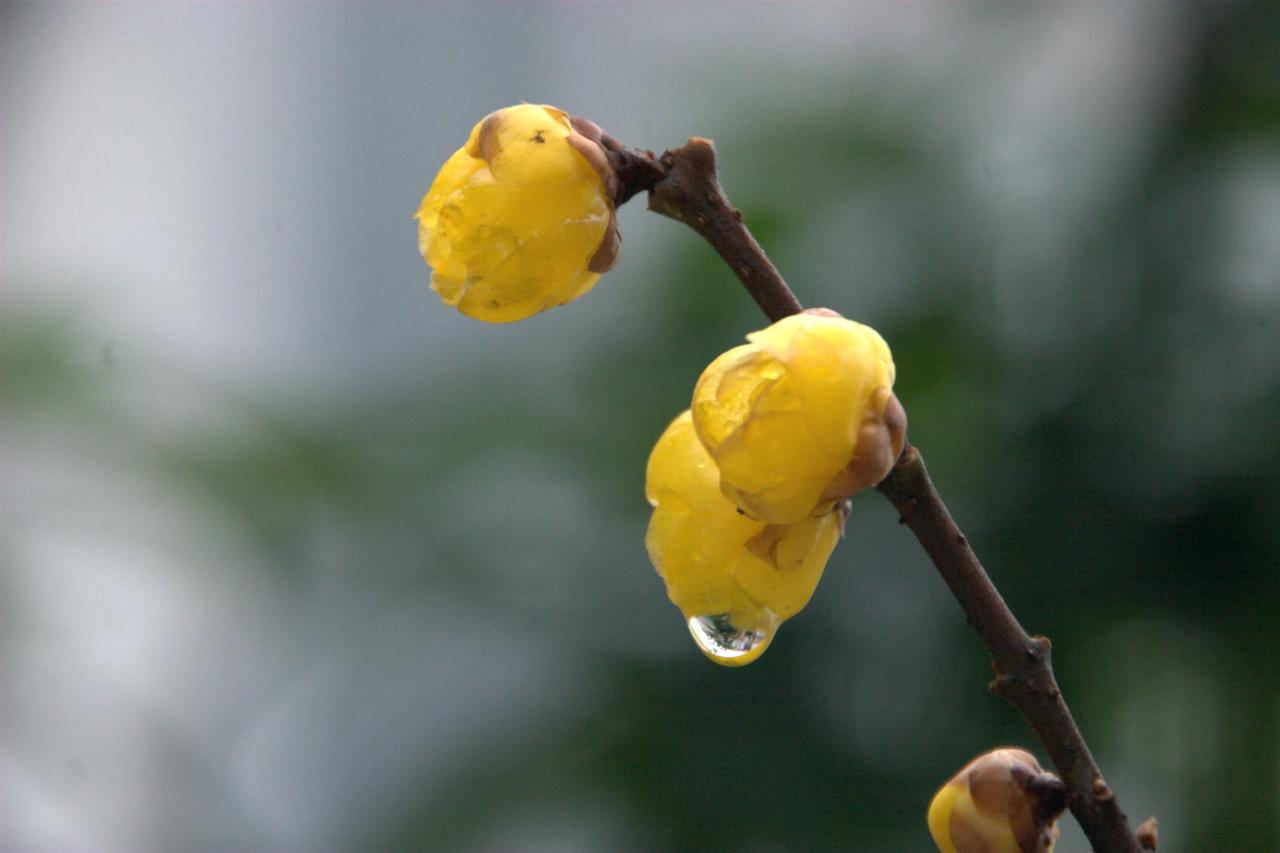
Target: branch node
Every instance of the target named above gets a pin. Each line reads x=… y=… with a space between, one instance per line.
x=1003 y=685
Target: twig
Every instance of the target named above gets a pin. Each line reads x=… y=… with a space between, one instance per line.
x=1024 y=673
x=689 y=191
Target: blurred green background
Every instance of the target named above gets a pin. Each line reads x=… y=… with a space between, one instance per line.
x=295 y=558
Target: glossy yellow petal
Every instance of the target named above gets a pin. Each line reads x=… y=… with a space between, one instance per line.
x=797 y=418
x=514 y=218
x=735 y=579
x=1001 y=802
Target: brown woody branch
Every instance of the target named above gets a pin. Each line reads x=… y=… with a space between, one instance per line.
x=683 y=185
x=1024 y=672
x=691 y=193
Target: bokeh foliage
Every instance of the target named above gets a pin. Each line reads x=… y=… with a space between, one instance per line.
x=418 y=614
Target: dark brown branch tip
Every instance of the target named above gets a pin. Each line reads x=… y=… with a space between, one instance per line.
x=691 y=193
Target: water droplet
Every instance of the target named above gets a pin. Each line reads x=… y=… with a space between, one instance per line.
x=734 y=644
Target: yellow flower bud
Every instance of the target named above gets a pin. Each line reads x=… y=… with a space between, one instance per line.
x=1001 y=802
x=735 y=579
x=801 y=417
x=520 y=218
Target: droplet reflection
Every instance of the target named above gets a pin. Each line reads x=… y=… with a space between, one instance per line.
x=730 y=644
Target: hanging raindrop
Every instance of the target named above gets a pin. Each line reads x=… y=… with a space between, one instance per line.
x=734 y=645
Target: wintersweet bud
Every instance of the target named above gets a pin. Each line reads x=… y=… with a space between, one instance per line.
x=800 y=417
x=1001 y=802
x=520 y=219
x=734 y=578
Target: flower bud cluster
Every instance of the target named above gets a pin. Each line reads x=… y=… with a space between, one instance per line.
x=745 y=485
